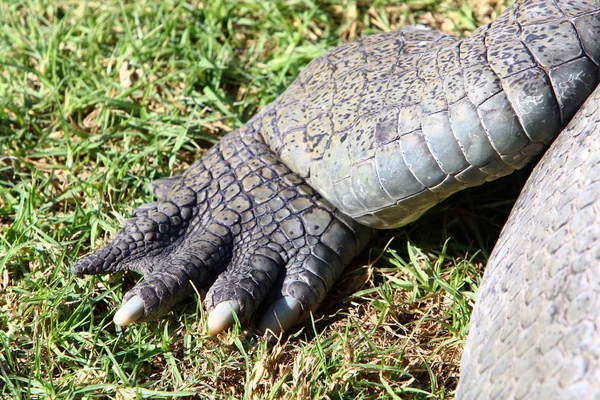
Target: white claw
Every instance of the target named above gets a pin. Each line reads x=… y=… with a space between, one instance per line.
x=221 y=317
x=130 y=311
x=281 y=316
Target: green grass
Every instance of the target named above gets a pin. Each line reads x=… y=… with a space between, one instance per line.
x=99 y=98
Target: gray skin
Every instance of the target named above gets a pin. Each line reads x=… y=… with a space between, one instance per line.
x=535 y=330
x=371 y=135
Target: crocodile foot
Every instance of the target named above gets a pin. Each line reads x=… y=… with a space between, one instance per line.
x=240 y=229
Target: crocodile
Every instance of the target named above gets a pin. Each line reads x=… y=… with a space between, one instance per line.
x=370 y=136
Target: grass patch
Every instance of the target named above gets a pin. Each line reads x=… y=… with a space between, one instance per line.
x=99 y=98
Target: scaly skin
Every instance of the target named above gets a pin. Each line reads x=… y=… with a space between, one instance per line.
x=238 y=226
x=390 y=125
x=535 y=331
x=376 y=131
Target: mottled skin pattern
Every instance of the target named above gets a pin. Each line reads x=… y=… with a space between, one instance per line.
x=383 y=128
x=535 y=332
x=390 y=125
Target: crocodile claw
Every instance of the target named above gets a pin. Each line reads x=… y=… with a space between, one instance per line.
x=222 y=316
x=281 y=316
x=130 y=312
